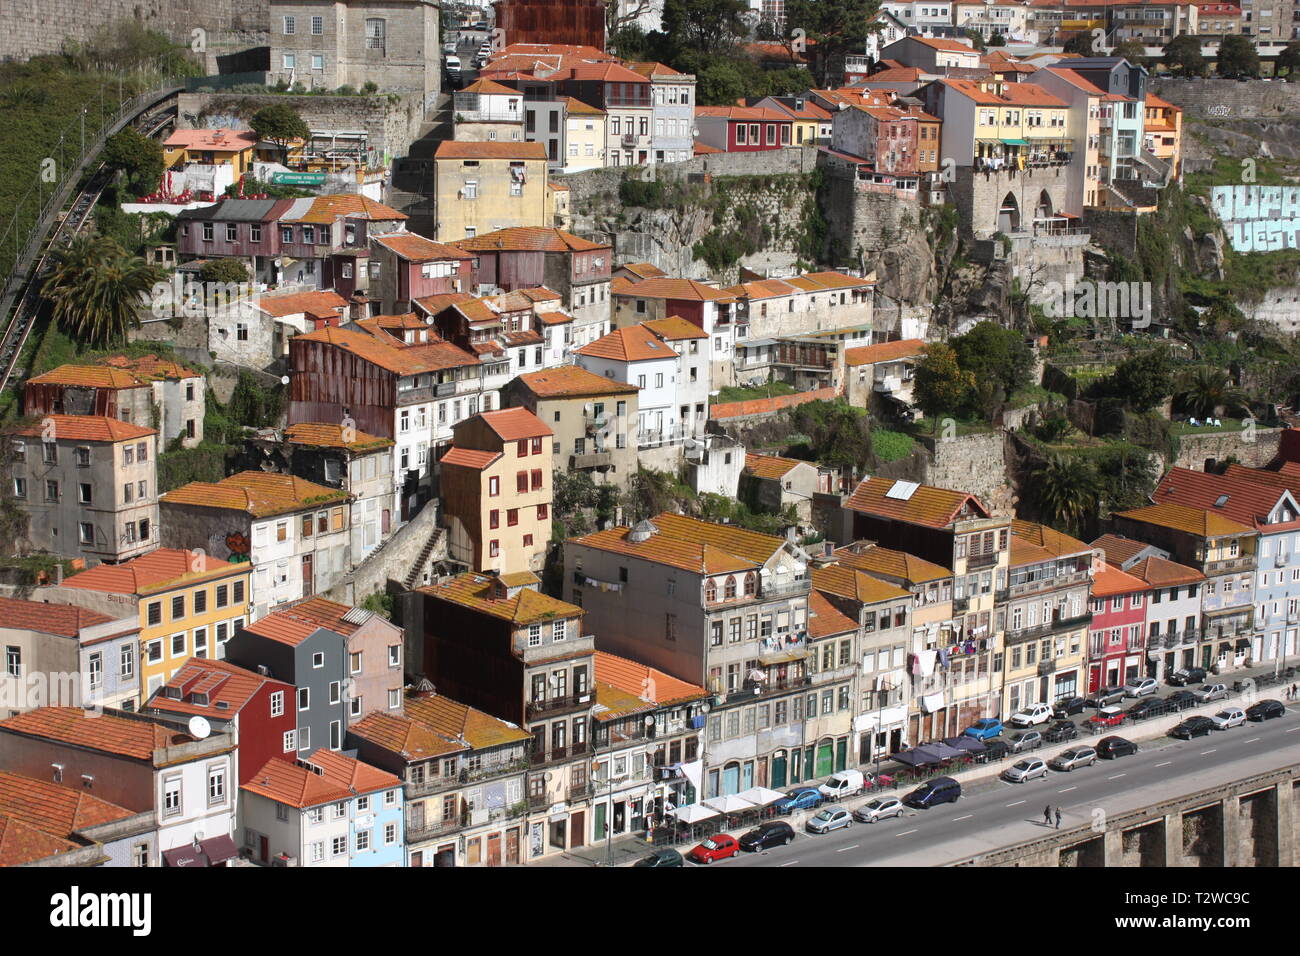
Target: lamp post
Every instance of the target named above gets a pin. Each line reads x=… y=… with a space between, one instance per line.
x=880 y=713
x=609 y=792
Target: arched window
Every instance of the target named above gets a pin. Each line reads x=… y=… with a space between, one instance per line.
x=751 y=584
x=730 y=590
x=710 y=591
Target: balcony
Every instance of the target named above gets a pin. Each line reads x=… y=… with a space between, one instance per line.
x=889 y=384
x=1046 y=667
x=1245 y=562
x=431 y=830
x=981 y=561
x=775 y=650
x=752 y=691
x=581 y=791
x=1052 y=627
x=628 y=139
x=599 y=459
x=551 y=705
x=960 y=605
x=1046 y=584
x=538 y=801
x=777 y=590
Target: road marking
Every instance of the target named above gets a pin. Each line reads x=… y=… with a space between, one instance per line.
x=904 y=833
x=791 y=863
x=1016 y=804
x=1252 y=740
x=1293 y=730
x=1206 y=753
x=966 y=817
x=845 y=849
x=1067 y=789
x=1165 y=764
x=1115 y=777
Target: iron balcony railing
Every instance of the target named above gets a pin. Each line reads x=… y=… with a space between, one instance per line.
x=551 y=705
x=1051 y=627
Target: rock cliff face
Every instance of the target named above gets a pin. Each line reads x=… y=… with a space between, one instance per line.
x=907 y=270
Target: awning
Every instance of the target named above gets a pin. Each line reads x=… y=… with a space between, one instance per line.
x=209 y=852
x=1016 y=142
x=917 y=757
x=969 y=744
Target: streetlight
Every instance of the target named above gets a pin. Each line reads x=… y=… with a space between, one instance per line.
x=610 y=781
x=880 y=713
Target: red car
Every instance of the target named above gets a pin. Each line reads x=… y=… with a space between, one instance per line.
x=717 y=847
x=1107 y=717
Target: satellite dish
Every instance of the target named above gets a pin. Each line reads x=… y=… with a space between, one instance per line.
x=199 y=727
x=284 y=379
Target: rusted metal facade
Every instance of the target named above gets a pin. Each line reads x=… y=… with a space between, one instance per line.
x=580 y=22
x=329 y=384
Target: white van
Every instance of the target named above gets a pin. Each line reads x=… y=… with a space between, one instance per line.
x=453 y=65
x=843 y=784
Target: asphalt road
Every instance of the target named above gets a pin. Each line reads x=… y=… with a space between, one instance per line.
x=993 y=813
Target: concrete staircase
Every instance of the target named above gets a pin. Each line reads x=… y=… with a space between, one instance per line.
x=411 y=191
x=417 y=567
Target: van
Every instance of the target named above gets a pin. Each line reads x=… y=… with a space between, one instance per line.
x=934 y=792
x=843 y=784
x=453 y=65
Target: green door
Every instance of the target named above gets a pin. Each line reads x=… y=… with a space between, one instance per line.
x=778 y=770
x=598 y=831
x=841 y=753
x=825 y=759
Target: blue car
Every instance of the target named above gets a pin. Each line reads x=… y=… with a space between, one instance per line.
x=984 y=728
x=801 y=798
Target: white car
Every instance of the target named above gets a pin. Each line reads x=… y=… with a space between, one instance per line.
x=1024 y=770
x=1231 y=717
x=879 y=809
x=1031 y=715
x=1140 y=688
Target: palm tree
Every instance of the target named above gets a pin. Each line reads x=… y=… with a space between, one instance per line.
x=1065 y=489
x=97 y=289
x=1206 y=391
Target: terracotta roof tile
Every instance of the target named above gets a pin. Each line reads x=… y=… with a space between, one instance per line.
x=104 y=732
x=644 y=270
x=223 y=682
x=659 y=689
x=675 y=329
x=216 y=140
x=488 y=86
x=88 y=376
x=293 y=624
x=258 y=493
x=1048 y=541
x=771 y=466
x=1194 y=521
x=341 y=778
x=512 y=424
x=1119 y=548
x=483 y=593
x=1110 y=581
x=691 y=544
x=321 y=304
x=687 y=290
x=325 y=209
x=469 y=458
x=21 y=843
x=855 y=585
x=825 y=618
x=465 y=149
x=748 y=113
x=404 y=736
x=634 y=343
x=890 y=563
x=884 y=352
x=1235 y=496
x=85 y=428
x=326 y=435
x=458 y=721
x=1162 y=573
x=572 y=381
x=415 y=248
x=400 y=361
x=759 y=406
x=927 y=505
x=529 y=238
x=579 y=108
x=66 y=620
x=158 y=570
x=53 y=808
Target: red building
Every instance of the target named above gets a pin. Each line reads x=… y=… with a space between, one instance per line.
x=743 y=129
x=258 y=710
x=1116 y=638
x=411 y=267
x=580 y=22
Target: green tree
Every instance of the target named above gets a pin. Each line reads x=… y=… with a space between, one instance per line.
x=838 y=434
x=941 y=386
x=1237 y=57
x=223 y=270
x=139 y=156
x=997 y=354
x=977 y=40
x=280 y=124
x=1205 y=391
x=997 y=39
x=1141 y=382
x=650 y=492
x=832 y=29
x=1127 y=476
x=629 y=41
x=1289 y=58
x=1132 y=50
x=719 y=84
x=1064 y=490
x=97 y=290
x=705 y=26
x=1182 y=56
x=1079 y=44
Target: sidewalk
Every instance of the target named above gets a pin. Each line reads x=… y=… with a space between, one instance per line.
x=624 y=851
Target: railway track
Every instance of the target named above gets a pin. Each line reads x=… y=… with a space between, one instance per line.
x=22 y=318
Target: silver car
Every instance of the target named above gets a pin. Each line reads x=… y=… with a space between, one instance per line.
x=832 y=818
x=877 y=810
x=1142 y=687
x=1025 y=770
x=1074 y=757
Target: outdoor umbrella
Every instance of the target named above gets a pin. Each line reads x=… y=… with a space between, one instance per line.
x=731 y=803
x=916 y=757
x=942 y=750
x=966 y=743
x=761 y=796
x=694 y=813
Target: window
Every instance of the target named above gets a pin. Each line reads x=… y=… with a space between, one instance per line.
x=375 y=31
x=494 y=486
x=470 y=189
x=354 y=662
x=178 y=645
x=52 y=491
x=172 y=797
x=290 y=26
x=277 y=703
x=394 y=655
x=216 y=786
x=14 y=661
x=304 y=698
x=178 y=607
x=536 y=479
x=126 y=662
x=87 y=532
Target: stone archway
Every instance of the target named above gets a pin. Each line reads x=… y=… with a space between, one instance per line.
x=1009 y=215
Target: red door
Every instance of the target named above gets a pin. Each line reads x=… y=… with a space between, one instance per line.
x=308 y=576
x=266 y=850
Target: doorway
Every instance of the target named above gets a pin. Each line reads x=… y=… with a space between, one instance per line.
x=512 y=845
x=578 y=831
x=308 y=577
x=494 y=850
x=778 y=770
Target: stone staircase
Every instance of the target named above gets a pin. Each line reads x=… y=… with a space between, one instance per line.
x=417 y=567
x=411 y=191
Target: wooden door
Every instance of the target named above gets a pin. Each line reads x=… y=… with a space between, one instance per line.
x=308 y=577
x=578 y=828
x=512 y=845
x=494 y=850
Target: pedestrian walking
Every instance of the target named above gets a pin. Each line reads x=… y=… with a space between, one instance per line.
x=1058 y=818
x=1047 y=815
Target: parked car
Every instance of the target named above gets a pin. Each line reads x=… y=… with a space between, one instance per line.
x=1068 y=760
x=1229 y=717
x=1109 y=748
x=996 y=749
x=1186 y=676
x=665 y=857
x=934 y=792
x=772 y=833
x=984 y=728
x=1061 y=731
x=800 y=798
x=1031 y=715
x=1068 y=707
x=1106 y=696
x=879 y=809
x=1024 y=770
x=717 y=847
x=1181 y=700
x=845 y=783
x=1107 y=717
x=1141 y=687
x=1147 y=707
x=1266 y=710
x=831 y=818
x=1208 y=692
x=1193 y=727
x=1023 y=743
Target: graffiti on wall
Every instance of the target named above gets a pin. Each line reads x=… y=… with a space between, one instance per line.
x=1259 y=218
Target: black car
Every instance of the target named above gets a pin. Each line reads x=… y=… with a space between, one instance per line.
x=1193 y=727
x=1069 y=707
x=774 y=833
x=1061 y=731
x=665 y=857
x=996 y=749
x=1147 y=707
x=1186 y=676
x=1266 y=710
x=1180 y=700
x=1108 y=748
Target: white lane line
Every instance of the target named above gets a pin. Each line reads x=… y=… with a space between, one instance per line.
x=1016 y=804
x=1067 y=789
x=1206 y=753
x=791 y=863
x=1252 y=740
x=845 y=849
x=1165 y=764
x=1293 y=730
x=1115 y=776
x=966 y=817
x=904 y=833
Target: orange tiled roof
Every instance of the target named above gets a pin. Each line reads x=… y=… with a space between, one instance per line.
x=644 y=270
x=158 y=570
x=653 y=69
x=104 y=732
x=927 y=505
x=747 y=113
x=572 y=381
x=85 y=428
x=53 y=808
x=512 y=424
x=1162 y=573
x=325 y=209
x=660 y=689
x=1037 y=542
x=433 y=304
x=458 y=721
x=684 y=289
x=1249 y=502
x=116 y=371
x=403 y=735
x=66 y=620
x=258 y=493
x=223 y=682
x=469 y=458
x=465 y=149
x=483 y=593
x=884 y=352
x=400 y=361
x=293 y=624
x=891 y=563
x=825 y=619
x=488 y=86
x=216 y=140
x=759 y=406
x=936 y=43
x=416 y=248
x=674 y=329
x=326 y=435
x=579 y=108
x=855 y=585
x=691 y=544
x=342 y=778
x=1178 y=517
x=634 y=343
x=554 y=317
x=1119 y=548
x=771 y=466
x=21 y=843
x=528 y=239
x=322 y=304
x=1110 y=581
